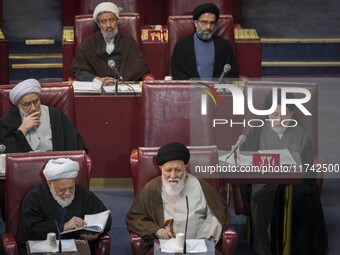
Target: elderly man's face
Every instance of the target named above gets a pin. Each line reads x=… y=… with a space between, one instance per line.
x=173 y=171
x=63 y=190
x=205 y=26
x=108 y=24
x=29 y=104
x=278 y=118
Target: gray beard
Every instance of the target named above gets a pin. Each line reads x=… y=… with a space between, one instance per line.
x=173 y=189
x=202 y=36
x=108 y=35
x=279 y=130
x=62 y=202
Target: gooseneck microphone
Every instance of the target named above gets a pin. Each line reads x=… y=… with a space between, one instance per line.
x=186 y=227
x=59 y=249
x=226 y=70
x=112 y=64
x=242 y=138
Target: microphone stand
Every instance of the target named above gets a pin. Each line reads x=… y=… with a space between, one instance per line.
x=186 y=228
x=59 y=245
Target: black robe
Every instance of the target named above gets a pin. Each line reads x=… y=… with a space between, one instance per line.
x=183 y=59
x=39 y=212
x=308 y=232
x=65 y=136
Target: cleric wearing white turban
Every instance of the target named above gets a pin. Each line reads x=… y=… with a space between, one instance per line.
x=32 y=126
x=61 y=168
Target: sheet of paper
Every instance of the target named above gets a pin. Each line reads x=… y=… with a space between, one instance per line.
x=193 y=245
x=42 y=246
x=2 y=163
x=286 y=157
x=83 y=86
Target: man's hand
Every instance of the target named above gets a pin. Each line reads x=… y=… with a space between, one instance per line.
x=163 y=233
x=89 y=237
x=29 y=121
x=75 y=222
x=106 y=80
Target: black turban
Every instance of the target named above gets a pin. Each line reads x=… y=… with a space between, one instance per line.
x=206 y=8
x=173 y=151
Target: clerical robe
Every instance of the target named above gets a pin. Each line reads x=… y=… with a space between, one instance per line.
x=183 y=59
x=147 y=213
x=91 y=57
x=40 y=210
x=65 y=136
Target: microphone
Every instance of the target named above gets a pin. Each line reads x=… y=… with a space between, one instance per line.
x=241 y=139
x=226 y=70
x=186 y=227
x=112 y=64
x=59 y=249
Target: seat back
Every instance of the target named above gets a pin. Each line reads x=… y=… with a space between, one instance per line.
x=145 y=168
x=24 y=171
x=58 y=95
x=181 y=26
x=310 y=123
x=128 y=23
x=171 y=112
x=180 y=7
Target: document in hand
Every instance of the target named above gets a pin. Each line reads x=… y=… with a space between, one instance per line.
x=94 y=222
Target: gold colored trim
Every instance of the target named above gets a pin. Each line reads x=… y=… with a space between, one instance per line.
x=68 y=34
x=1 y=34
x=39 y=41
x=40 y=65
x=293 y=63
x=246 y=34
x=296 y=40
x=111 y=183
x=35 y=55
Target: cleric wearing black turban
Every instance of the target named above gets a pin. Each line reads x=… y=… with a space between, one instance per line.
x=204 y=54
x=159 y=209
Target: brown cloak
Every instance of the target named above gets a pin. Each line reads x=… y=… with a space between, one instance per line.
x=146 y=214
x=90 y=57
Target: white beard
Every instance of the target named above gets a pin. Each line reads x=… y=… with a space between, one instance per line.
x=108 y=35
x=173 y=189
x=62 y=202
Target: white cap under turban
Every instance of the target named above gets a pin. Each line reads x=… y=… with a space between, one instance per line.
x=61 y=168
x=106 y=7
x=24 y=88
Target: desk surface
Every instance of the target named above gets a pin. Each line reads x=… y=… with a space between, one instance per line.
x=83 y=248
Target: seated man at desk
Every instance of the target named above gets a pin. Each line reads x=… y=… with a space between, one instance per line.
x=309 y=235
x=31 y=126
x=163 y=199
x=203 y=54
x=92 y=56
x=61 y=200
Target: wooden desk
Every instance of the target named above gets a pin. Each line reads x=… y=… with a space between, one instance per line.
x=83 y=248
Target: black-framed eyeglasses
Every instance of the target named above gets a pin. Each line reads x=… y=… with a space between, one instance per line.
x=206 y=23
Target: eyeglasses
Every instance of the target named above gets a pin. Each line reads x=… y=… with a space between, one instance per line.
x=29 y=104
x=206 y=23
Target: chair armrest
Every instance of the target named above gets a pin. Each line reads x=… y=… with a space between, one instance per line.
x=229 y=241
x=89 y=165
x=103 y=245
x=148 y=77
x=10 y=245
x=136 y=243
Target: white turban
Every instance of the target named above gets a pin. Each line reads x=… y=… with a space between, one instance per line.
x=61 y=168
x=106 y=7
x=24 y=88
